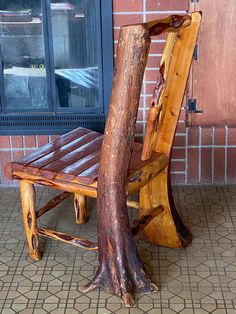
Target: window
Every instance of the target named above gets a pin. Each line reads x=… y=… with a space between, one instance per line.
x=56 y=67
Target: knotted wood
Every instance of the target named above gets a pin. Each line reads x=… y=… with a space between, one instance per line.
x=120 y=270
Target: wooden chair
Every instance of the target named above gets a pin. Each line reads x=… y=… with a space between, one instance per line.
x=71 y=163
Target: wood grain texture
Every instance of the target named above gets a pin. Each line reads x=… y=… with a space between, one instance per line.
x=176 y=83
x=80 y=205
x=158 y=98
x=178 y=55
x=120 y=270
x=29 y=217
x=156 y=194
x=213 y=76
x=55 y=235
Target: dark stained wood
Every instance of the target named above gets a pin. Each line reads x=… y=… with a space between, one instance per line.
x=213 y=74
x=62 y=154
x=90 y=175
x=120 y=270
x=171 y=23
x=51 y=147
x=55 y=235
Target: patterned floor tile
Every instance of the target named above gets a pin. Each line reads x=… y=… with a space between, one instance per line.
x=200 y=279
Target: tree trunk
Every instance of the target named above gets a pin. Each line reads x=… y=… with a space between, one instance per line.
x=120 y=271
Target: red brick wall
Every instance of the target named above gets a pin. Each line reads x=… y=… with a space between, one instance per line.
x=200 y=155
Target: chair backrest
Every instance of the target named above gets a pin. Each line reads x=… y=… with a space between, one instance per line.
x=172 y=79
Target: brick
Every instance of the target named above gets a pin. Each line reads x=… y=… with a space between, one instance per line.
x=178 y=153
x=17 y=141
x=177 y=166
x=207 y=137
x=182 y=114
x=5 y=157
x=4 y=142
x=140 y=115
x=171 y=5
x=151 y=75
x=116 y=34
x=193 y=166
x=232 y=136
x=219 y=166
x=28 y=151
x=42 y=140
x=17 y=154
x=219 y=136
x=157 y=48
x=127 y=6
x=153 y=62
x=231 y=162
x=193 y=136
x=177 y=178
x=181 y=127
x=179 y=141
x=30 y=141
x=139 y=128
x=124 y=19
x=150 y=87
x=206 y=165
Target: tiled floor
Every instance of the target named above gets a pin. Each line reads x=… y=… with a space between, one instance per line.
x=200 y=279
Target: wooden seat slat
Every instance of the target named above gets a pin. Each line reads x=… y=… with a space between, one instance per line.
x=74 y=156
x=62 y=152
x=77 y=160
x=74 y=170
x=52 y=146
x=89 y=175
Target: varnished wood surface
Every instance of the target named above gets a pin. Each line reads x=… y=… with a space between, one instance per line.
x=120 y=270
x=71 y=163
x=177 y=76
x=77 y=161
x=55 y=235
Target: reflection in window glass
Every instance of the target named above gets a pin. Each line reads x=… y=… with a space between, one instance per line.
x=74 y=26
x=23 y=55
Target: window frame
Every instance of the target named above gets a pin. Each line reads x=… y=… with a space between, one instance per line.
x=51 y=121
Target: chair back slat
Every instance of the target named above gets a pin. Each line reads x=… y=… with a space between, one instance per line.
x=174 y=70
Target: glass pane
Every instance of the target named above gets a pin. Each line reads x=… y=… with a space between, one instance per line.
x=75 y=46
x=23 y=55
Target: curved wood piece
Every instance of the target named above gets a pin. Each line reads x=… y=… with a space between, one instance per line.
x=80 y=205
x=157 y=194
x=171 y=23
x=157 y=191
x=120 y=270
x=29 y=217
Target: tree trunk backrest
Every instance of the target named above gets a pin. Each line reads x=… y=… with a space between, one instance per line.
x=173 y=74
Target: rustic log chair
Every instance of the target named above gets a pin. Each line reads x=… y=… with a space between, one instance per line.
x=71 y=163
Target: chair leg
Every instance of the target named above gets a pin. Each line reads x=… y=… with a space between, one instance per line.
x=166 y=228
x=80 y=204
x=29 y=217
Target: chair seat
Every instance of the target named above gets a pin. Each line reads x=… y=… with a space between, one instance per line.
x=74 y=157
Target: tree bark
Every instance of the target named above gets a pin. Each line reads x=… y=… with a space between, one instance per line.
x=120 y=270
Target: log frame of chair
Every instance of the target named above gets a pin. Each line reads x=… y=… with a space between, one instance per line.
x=124 y=167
